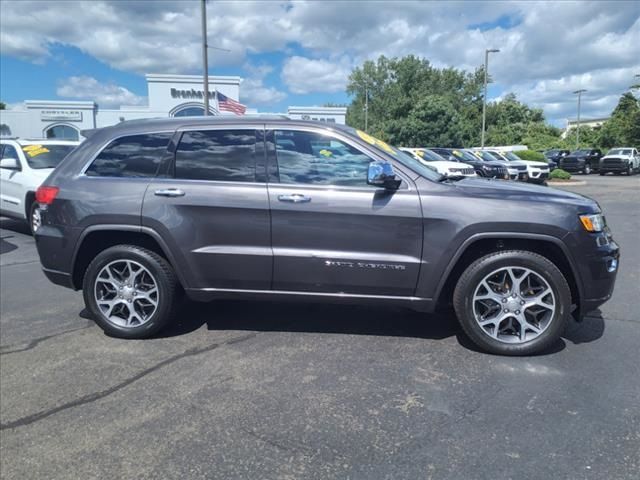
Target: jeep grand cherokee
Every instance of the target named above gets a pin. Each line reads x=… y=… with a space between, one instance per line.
x=252 y=207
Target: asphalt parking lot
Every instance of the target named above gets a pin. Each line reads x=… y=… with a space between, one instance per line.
x=265 y=390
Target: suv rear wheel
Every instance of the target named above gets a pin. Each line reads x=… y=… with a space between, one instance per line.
x=130 y=291
x=587 y=169
x=512 y=302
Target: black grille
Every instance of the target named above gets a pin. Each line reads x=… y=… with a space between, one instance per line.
x=612 y=162
x=522 y=168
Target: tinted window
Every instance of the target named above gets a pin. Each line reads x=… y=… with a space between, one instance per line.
x=313 y=158
x=10 y=152
x=132 y=156
x=222 y=155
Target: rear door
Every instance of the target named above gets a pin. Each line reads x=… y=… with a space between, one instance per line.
x=211 y=207
x=331 y=232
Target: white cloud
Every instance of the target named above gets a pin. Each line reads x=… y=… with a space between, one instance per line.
x=544 y=45
x=305 y=75
x=253 y=91
x=104 y=94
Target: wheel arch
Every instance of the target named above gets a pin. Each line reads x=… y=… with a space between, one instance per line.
x=480 y=245
x=97 y=238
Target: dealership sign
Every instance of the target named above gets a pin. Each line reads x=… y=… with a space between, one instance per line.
x=68 y=115
x=175 y=93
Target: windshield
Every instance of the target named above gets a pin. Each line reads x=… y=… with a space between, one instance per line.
x=511 y=156
x=406 y=159
x=429 y=155
x=464 y=156
x=581 y=152
x=45 y=155
x=619 y=151
x=486 y=156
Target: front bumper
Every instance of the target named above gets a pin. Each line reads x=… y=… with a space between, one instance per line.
x=538 y=176
x=614 y=167
x=597 y=259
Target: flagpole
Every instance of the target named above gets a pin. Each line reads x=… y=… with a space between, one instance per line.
x=205 y=60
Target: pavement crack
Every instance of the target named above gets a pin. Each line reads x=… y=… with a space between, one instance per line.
x=92 y=397
x=9 y=349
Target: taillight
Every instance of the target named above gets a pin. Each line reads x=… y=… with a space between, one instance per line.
x=46 y=195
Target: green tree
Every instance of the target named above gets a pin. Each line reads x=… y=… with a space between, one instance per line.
x=623 y=128
x=3 y=106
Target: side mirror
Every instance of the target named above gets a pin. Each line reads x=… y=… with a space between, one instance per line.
x=10 y=164
x=380 y=174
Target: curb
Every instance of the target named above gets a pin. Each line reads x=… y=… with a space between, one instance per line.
x=577 y=183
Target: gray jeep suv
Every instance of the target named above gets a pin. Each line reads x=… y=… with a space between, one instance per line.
x=268 y=207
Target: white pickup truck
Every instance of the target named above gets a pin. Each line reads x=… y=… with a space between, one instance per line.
x=444 y=167
x=620 y=160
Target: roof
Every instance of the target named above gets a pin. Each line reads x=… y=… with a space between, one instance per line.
x=173 y=123
x=41 y=141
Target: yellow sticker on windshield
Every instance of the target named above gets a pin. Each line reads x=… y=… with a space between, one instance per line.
x=374 y=141
x=420 y=153
x=35 y=150
x=326 y=153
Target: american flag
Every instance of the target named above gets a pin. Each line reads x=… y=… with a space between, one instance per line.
x=229 y=105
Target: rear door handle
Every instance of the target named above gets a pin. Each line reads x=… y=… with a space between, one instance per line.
x=294 y=198
x=169 y=192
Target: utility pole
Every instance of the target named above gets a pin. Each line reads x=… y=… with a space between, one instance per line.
x=205 y=58
x=579 y=93
x=484 y=98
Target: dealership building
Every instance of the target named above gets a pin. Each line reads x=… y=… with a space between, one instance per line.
x=168 y=96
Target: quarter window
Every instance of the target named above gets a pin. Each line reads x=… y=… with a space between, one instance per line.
x=313 y=158
x=217 y=155
x=132 y=156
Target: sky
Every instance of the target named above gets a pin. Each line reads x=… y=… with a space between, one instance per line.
x=301 y=52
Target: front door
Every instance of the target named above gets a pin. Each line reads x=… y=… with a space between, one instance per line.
x=331 y=232
x=11 y=181
x=212 y=209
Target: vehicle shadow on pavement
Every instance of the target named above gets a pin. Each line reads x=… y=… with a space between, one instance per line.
x=265 y=316
x=5 y=246
x=18 y=226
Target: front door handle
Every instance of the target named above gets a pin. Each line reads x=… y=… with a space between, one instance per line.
x=169 y=192
x=294 y=198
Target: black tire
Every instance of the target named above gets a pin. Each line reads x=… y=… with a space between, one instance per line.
x=31 y=211
x=163 y=275
x=602 y=173
x=478 y=270
x=587 y=169
x=629 y=169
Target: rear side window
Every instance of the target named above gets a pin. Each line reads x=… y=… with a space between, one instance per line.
x=132 y=156
x=217 y=155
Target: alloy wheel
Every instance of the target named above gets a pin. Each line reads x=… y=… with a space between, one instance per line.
x=514 y=305
x=126 y=293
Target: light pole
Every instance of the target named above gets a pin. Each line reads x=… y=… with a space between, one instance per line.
x=579 y=93
x=366 y=108
x=205 y=58
x=484 y=99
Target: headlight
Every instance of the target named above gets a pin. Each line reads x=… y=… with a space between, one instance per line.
x=593 y=223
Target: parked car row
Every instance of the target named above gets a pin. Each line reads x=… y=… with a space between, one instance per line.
x=490 y=163
x=591 y=160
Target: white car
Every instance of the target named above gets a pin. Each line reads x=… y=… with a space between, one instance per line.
x=620 y=160
x=537 y=172
x=444 y=167
x=24 y=165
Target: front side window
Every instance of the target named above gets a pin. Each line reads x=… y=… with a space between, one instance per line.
x=317 y=159
x=132 y=156
x=9 y=152
x=217 y=155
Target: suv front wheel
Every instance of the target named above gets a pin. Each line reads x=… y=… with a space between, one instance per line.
x=130 y=291
x=512 y=302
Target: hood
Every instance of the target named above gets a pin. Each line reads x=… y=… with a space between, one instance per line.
x=449 y=165
x=482 y=187
x=617 y=157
